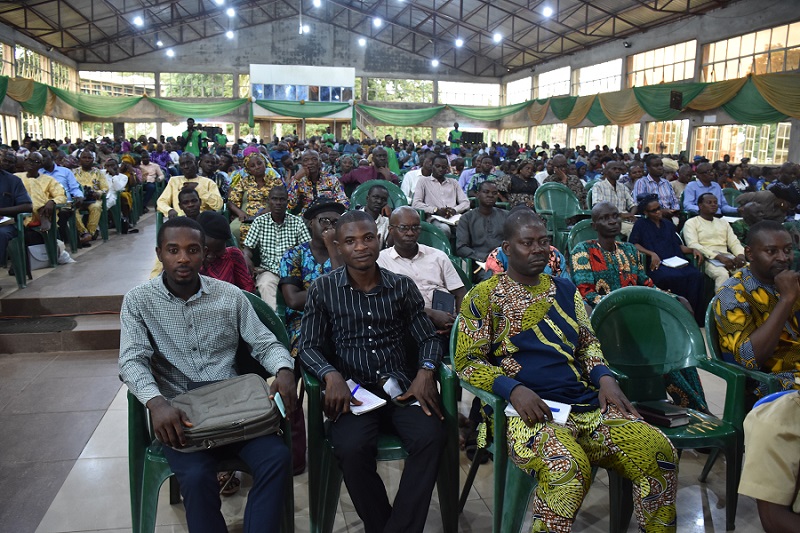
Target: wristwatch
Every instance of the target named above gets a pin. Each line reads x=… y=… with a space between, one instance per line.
x=427 y=365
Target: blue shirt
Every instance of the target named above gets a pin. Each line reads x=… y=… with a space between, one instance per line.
x=696 y=188
x=12 y=191
x=67 y=180
x=351 y=148
x=276 y=157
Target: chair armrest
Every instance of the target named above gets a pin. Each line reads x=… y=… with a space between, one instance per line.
x=734 y=410
x=20 y=221
x=314 y=394
x=619 y=376
x=773 y=383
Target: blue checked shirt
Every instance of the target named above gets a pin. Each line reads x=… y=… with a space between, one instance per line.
x=167 y=343
x=665 y=192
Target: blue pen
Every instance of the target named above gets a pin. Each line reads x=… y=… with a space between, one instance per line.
x=353 y=394
x=555 y=410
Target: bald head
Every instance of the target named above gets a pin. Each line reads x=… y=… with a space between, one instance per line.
x=404 y=213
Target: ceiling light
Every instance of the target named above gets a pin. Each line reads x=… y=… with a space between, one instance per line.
x=362 y=42
x=231 y=12
x=459 y=42
x=170 y=52
x=377 y=22
x=159 y=43
x=435 y=63
x=305 y=28
x=547 y=11
x=497 y=37
x=317 y=3
x=138 y=21
x=219 y=2
x=229 y=34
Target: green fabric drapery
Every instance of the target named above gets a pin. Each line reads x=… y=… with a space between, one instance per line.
x=302 y=110
x=562 y=106
x=749 y=107
x=582 y=106
x=654 y=99
x=538 y=110
x=489 y=112
x=596 y=115
x=95 y=105
x=781 y=91
x=401 y=117
x=37 y=103
x=716 y=94
x=193 y=109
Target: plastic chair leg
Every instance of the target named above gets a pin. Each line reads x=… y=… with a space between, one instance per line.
x=103 y=226
x=712 y=458
x=19 y=261
x=519 y=488
x=733 y=457
x=480 y=453
x=174 y=491
x=325 y=476
x=154 y=476
x=621 y=502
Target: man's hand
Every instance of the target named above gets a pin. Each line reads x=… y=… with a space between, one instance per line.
x=47 y=210
x=530 y=406
x=285 y=384
x=300 y=173
x=168 y=422
x=739 y=261
x=423 y=388
x=627 y=216
x=337 y=396
x=699 y=256
x=328 y=236
x=610 y=393
x=172 y=214
x=655 y=261
x=562 y=176
x=788 y=285
x=725 y=260
x=441 y=319
x=385 y=172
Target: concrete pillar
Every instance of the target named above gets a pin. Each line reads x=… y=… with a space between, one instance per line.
x=794 y=140
x=435 y=91
x=235 y=131
x=364 y=95
x=119 y=130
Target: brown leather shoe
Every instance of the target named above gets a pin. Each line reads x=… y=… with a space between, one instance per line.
x=86 y=238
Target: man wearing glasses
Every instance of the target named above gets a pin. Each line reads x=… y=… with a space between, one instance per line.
x=705 y=183
x=273 y=234
x=429 y=268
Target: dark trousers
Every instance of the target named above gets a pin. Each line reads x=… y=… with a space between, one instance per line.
x=149 y=191
x=355 y=440
x=6 y=234
x=268 y=459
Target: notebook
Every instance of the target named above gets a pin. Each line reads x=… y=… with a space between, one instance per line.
x=560 y=411
x=675 y=262
x=369 y=402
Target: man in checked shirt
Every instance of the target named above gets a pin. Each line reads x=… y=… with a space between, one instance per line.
x=179 y=329
x=366 y=314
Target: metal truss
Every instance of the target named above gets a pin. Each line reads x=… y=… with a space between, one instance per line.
x=102 y=31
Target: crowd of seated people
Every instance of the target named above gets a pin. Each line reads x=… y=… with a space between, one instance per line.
x=270 y=213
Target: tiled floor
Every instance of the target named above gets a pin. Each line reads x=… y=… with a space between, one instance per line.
x=64 y=440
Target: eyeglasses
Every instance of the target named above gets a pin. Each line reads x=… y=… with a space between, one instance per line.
x=405 y=229
x=654 y=210
x=327 y=222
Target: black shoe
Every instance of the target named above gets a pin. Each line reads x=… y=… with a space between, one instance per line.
x=145 y=210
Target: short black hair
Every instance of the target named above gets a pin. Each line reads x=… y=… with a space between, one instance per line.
x=187 y=190
x=518 y=219
x=765 y=226
x=377 y=186
x=700 y=198
x=353 y=216
x=486 y=182
x=180 y=222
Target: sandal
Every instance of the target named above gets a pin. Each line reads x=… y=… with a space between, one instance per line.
x=228 y=483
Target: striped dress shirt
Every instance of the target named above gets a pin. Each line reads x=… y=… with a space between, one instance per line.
x=362 y=335
x=666 y=195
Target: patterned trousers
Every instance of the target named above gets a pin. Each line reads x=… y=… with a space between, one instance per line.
x=562 y=457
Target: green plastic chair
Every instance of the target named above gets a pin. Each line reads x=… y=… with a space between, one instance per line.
x=645 y=334
x=396 y=196
x=582 y=231
x=557 y=204
x=148 y=468
x=325 y=478
x=435 y=238
x=731 y=195
x=509 y=512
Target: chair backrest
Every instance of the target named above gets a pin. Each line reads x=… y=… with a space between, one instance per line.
x=582 y=231
x=712 y=334
x=465 y=278
x=646 y=333
x=434 y=237
x=396 y=196
x=245 y=364
x=730 y=195
x=556 y=198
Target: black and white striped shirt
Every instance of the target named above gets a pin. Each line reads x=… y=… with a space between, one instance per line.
x=362 y=335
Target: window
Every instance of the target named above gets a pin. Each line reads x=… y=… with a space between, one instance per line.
x=357 y=90
x=63 y=128
x=629 y=138
x=518 y=91
x=32 y=126
x=764 y=144
x=552 y=134
x=137 y=129
x=178 y=85
x=31 y=65
x=9 y=129
x=516 y=134
x=662 y=65
x=6 y=60
x=246 y=132
x=772 y=50
x=244 y=85
x=117 y=83
x=389 y=90
x=554 y=83
x=407 y=133
x=668 y=137
x=602 y=78
x=458 y=93
x=297 y=93
x=95 y=130
x=64 y=77
x=782 y=143
x=595 y=136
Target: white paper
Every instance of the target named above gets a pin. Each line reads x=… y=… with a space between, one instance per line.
x=453 y=220
x=369 y=402
x=731 y=220
x=560 y=411
x=392 y=388
x=675 y=262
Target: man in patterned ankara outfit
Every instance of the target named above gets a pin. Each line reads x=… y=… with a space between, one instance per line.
x=525 y=336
